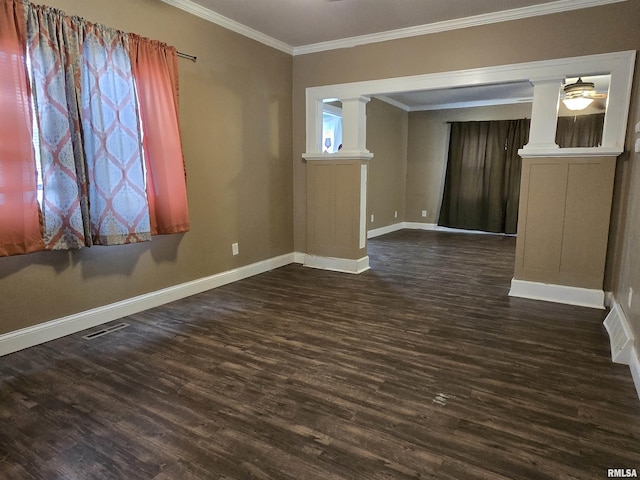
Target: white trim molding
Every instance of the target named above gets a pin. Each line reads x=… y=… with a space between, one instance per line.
x=549 y=8
x=583 y=297
x=44 y=332
x=438 y=228
x=213 y=17
x=620 y=65
x=376 y=232
x=624 y=348
x=635 y=369
x=455 y=24
x=344 y=265
x=620 y=335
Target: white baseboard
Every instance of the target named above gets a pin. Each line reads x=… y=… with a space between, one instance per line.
x=582 y=297
x=635 y=369
x=608 y=299
x=298 y=257
x=624 y=348
x=44 y=332
x=344 y=265
x=419 y=226
x=376 y=232
x=620 y=335
x=438 y=228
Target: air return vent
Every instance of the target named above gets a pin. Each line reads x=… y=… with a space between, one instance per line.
x=620 y=335
x=104 y=331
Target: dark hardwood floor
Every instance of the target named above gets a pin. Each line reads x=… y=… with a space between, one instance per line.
x=421 y=368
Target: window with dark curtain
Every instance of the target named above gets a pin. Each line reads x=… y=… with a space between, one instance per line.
x=580 y=131
x=482 y=183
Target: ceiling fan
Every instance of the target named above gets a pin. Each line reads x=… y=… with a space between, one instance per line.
x=581 y=94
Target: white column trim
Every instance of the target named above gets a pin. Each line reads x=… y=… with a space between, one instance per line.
x=619 y=64
x=544 y=115
x=354 y=125
x=363 y=205
x=343 y=265
x=583 y=297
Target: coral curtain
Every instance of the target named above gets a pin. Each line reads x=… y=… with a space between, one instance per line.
x=54 y=51
x=482 y=181
x=112 y=140
x=156 y=72
x=20 y=230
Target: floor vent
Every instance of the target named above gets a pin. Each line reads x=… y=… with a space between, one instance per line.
x=620 y=335
x=104 y=331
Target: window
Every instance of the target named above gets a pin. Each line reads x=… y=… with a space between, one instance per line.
x=75 y=173
x=331 y=128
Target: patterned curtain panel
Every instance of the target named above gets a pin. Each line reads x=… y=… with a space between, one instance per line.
x=156 y=73
x=54 y=50
x=112 y=139
x=19 y=217
x=81 y=122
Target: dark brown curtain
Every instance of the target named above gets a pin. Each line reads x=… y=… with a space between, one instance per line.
x=580 y=131
x=482 y=183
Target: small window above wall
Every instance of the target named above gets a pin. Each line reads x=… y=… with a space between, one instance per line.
x=582 y=111
x=331 y=127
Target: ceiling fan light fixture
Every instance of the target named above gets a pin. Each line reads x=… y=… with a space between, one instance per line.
x=579 y=95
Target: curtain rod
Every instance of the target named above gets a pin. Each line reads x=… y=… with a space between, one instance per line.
x=188 y=57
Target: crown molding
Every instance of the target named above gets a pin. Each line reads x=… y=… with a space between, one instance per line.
x=558 y=6
x=213 y=17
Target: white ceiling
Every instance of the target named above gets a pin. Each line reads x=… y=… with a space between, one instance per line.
x=478 y=96
x=304 y=22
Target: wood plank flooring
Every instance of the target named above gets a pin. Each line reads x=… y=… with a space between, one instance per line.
x=421 y=368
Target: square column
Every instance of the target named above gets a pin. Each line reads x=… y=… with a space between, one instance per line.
x=544 y=115
x=354 y=125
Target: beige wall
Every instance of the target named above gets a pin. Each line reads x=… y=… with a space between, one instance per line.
x=387 y=136
x=333 y=208
x=428 y=150
x=623 y=259
x=236 y=125
x=563 y=222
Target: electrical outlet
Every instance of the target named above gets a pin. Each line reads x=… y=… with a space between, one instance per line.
x=234 y=249
x=372 y=217
x=424 y=213
x=630 y=297
x=395 y=214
